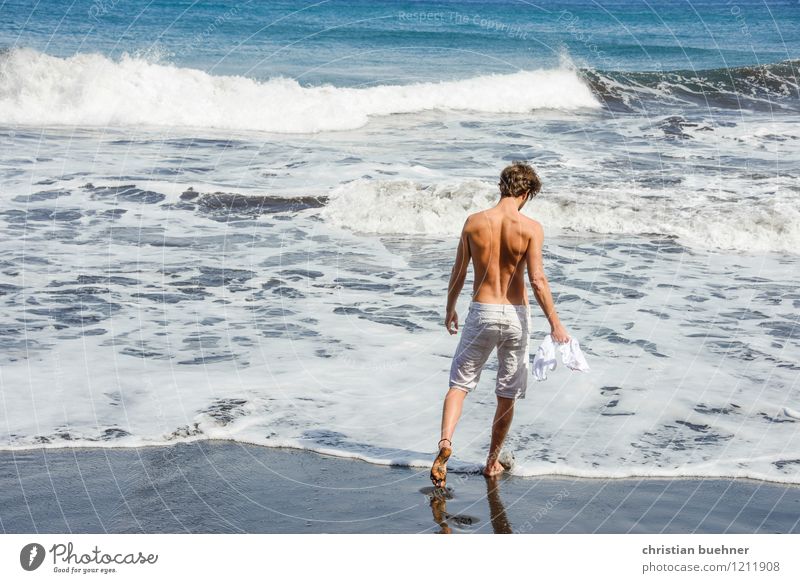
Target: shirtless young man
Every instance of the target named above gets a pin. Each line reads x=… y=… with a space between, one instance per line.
x=501 y=242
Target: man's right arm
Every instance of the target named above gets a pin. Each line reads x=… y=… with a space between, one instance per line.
x=540 y=285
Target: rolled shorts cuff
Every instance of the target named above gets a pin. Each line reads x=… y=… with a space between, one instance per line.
x=510 y=394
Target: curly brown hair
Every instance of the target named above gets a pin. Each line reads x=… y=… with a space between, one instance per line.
x=519 y=178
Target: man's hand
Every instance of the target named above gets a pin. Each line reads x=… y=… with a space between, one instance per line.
x=559 y=333
x=451 y=322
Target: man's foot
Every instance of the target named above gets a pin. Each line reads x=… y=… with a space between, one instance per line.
x=493 y=468
x=439 y=468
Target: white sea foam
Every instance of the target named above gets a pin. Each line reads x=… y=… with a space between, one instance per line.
x=329 y=341
x=129 y=323
x=387 y=207
x=93 y=90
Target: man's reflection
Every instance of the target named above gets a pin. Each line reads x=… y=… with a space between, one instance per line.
x=497 y=512
x=439 y=496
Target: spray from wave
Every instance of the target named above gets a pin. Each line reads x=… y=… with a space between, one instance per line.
x=93 y=90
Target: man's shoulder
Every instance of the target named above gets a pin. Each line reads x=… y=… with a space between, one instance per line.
x=476 y=219
x=473 y=221
x=535 y=226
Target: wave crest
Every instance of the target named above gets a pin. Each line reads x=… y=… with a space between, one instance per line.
x=93 y=90
x=405 y=207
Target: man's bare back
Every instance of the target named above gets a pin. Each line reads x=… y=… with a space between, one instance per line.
x=502 y=244
x=498 y=241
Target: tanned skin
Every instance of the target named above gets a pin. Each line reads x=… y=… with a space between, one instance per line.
x=502 y=244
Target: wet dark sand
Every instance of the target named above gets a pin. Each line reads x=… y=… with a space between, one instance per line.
x=224 y=487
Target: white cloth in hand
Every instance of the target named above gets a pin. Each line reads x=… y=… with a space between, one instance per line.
x=545 y=358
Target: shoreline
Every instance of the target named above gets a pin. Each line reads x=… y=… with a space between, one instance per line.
x=412 y=467
x=222 y=486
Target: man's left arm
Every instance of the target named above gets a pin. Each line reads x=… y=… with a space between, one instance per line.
x=457 y=277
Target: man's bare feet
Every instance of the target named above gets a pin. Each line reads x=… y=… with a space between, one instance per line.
x=493 y=468
x=439 y=468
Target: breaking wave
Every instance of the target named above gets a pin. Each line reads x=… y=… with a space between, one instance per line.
x=763 y=87
x=93 y=90
x=406 y=207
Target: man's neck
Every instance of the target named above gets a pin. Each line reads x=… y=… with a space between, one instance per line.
x=508 y=204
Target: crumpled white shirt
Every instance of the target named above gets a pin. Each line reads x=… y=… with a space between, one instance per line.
x=545 y=358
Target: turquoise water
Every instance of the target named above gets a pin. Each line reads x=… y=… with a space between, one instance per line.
x=368 y=42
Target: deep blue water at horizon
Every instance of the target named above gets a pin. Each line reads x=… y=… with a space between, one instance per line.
x=348 y=43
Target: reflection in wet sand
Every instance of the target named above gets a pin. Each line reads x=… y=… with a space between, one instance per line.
x=438 y=498
x=497 y=512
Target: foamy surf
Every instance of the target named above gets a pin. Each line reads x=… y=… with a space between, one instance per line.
x=168 y=326
x=170 y=277
x=94 y=90
x=408 y=207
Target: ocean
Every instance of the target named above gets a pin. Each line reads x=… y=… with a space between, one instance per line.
x=236 y=220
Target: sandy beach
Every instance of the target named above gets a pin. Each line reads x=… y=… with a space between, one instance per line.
x=225 y=487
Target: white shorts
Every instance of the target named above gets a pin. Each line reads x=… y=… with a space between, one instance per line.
x=489 y=326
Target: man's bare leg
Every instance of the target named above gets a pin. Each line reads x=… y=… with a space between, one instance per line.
x=502 y=423
x=451 y=412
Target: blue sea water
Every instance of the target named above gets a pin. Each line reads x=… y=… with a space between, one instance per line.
x=236 y=220
x=375 y=41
